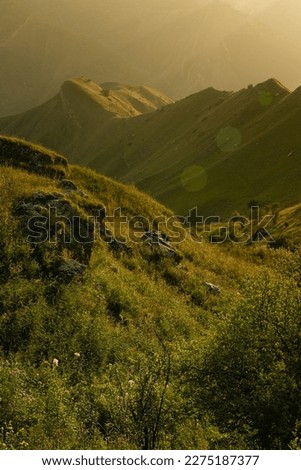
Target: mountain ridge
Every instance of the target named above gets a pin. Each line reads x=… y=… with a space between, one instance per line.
x=228 y=135
x=214 y=44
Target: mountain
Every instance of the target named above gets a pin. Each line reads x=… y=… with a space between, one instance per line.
x=44 y=44
x=175 y=46
x=213 y=150
x=110 y=321
x=81 y=111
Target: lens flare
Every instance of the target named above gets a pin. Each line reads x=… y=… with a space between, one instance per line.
x=228 y=139
x=194 y=178
x=265 y=98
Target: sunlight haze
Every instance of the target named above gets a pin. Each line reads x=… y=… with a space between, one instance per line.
x=175 y=46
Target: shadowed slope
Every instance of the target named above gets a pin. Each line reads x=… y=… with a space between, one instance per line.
x=215 y=150
x=75 y=120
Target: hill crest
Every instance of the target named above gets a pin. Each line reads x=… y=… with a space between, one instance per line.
x=117 y=100
x=239 y=141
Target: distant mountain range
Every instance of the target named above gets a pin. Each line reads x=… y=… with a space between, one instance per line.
x=175 y=46
x=215 y=150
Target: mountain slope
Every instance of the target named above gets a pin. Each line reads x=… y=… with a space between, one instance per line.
x=214 y=150
x=108 y=343
x=43 y=45
x=76 y=117
x=287 y=229
x=175 y=46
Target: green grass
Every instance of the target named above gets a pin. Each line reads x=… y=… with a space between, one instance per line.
x=148 y=357
x=246 y=143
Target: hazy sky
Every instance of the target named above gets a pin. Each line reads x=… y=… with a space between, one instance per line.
x=177 y=46
x=250 y=5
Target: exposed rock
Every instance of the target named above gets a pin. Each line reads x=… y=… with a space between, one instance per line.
x=96 y=210
x=160 y=244
x=45 y=198
x=114 y=244
x=28 y=210
x=105 y=233
x=212 y=288
x=71 y=268
x=49 y=217
x=63 y=207
x=157 y=237
x=21 y=154
x=67 y=185
x=119 y=247
x=55 y=363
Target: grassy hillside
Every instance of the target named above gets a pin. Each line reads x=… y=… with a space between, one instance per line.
x=214 y=150
x=287 y=229
x=115 y=344
x=81 y=114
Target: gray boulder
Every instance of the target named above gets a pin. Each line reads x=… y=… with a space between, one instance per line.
x=71 y=268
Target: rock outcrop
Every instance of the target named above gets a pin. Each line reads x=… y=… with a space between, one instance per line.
x=51 y=220
x=32 y=158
